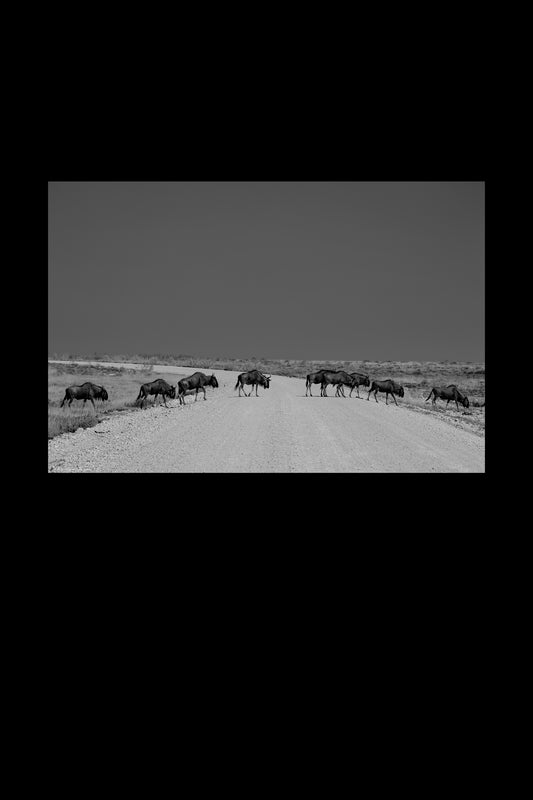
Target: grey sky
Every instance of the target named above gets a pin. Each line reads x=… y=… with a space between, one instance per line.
x=312 y=270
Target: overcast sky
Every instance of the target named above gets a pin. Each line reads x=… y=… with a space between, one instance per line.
x=303 y=270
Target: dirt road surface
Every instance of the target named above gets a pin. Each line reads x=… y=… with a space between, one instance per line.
x=281 y=430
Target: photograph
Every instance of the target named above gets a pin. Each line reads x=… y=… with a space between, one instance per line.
x=266 y=327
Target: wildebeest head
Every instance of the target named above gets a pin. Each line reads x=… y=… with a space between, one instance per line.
x=400 y=393
x=466 y=402
x=214 y=381
x=172 y=393
x=366 y=381
x=105 y=396
x=267 y=381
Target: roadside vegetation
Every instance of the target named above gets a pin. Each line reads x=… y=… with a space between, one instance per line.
x=122 y=385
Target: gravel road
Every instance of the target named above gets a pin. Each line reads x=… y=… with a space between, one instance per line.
x=281 y=430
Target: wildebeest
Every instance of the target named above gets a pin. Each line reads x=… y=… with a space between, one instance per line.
x=451 y=392
x=359 y=380
x=156 y=387
x=87 y=391
x=195 y=382
x=389 y=387
x=253 y=377
x=337 y=378
x=313 y=377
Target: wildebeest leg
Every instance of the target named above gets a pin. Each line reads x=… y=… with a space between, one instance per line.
x=376 y=395
x=394 y=397
x=358 y=391
x=92 y=401
x=203 y=387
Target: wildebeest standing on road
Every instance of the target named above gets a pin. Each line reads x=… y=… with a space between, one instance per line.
x=196 y=381
x=451 y=392
x=359 y=380
x=157 y=387
x=337 y=378
x=313 y=377
x=87 y=391
x=254 y=378
x=389 y=387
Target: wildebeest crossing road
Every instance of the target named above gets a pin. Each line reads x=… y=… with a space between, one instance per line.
x=281 y=430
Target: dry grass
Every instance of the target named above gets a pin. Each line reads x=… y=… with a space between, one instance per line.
x=431 y=373
x=122 y=386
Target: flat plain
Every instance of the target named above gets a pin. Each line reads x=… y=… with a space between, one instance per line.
x=281 y=430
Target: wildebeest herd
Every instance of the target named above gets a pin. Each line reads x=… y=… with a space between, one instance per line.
x=254 y=378
x=192 y=384
x=340 y=378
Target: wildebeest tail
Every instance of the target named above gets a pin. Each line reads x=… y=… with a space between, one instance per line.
x=64 y=399
x=237 y=384
x=429 y=395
